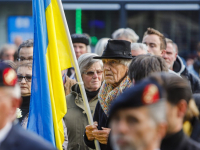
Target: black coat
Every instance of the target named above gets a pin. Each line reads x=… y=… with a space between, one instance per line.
x=101 y=118
x=195 y=135
x=20 y=139
x=179 y=141
x=180 y=69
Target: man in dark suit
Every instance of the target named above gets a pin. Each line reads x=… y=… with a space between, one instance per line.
x=12 y=136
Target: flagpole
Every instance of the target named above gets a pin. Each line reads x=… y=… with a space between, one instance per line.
x=78 y=75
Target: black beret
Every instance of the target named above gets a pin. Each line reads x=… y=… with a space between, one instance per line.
x=80 y=38
x=8 y=76
x=146 y=92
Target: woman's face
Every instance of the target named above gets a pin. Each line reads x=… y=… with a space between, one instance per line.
x=92 y=77
x=114 y=72
x=25 y=83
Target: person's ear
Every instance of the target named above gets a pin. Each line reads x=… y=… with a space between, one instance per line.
x=182 y=108
x=163 y=51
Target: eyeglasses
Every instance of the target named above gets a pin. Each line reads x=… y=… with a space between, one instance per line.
x=91 y=73
x=25 y=59
x=27 y=78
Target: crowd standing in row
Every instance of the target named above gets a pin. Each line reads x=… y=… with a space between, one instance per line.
x=141 y=95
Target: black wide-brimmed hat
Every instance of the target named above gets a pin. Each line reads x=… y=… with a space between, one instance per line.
x=116 y=49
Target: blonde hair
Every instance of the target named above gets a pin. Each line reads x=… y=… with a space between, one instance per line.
x=192 y=110
x=150 y=31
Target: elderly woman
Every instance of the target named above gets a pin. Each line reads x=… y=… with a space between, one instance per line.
x=76 y=118
x=116 y=59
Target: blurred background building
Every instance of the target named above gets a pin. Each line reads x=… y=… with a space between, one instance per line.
x=179 y=20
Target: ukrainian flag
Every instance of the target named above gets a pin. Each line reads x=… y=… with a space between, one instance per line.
x=51 y=55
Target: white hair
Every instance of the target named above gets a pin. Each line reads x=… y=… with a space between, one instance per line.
x=127 y=33
x=125 y=62
x=138 y=46
x=169 y=41
x=85 y=61
x=157 y=111
x=101 y=45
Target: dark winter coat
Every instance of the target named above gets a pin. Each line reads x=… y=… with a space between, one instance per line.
x=180 y=69
x=179 y=141
x=101 y=118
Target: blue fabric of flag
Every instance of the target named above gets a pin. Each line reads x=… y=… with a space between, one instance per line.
x=40 y=114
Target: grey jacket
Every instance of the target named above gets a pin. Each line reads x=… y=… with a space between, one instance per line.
x=76 y=118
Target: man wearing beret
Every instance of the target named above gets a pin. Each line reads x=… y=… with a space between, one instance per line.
x=134 y=118
x=12 y=136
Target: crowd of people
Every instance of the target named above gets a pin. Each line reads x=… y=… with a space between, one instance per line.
x=141 y=95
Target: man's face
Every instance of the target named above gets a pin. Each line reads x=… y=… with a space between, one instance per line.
x=79 y=48
x=26 y=54
x=153 y=43
x=114 y=71
x=8 y=54
x=7 y=108
x=133 y=129
x=169 y=55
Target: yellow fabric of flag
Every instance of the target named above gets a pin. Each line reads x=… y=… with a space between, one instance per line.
x=58 y=58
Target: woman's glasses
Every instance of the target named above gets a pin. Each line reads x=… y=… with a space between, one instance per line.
x=91 y=73
x=25 y=59
x=27 y=78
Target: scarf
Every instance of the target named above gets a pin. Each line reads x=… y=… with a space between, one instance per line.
x=108 y=93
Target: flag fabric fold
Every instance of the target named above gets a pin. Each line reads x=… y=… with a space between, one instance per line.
x=51 y=54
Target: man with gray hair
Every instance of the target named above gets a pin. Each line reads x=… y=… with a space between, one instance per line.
x=134 y=118
x=175 y=64
x=125 y=34
x=138 y=49
x=170 y=53
x=12 y=136
x=25 y=51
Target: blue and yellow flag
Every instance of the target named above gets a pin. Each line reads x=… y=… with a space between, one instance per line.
x=51 y=54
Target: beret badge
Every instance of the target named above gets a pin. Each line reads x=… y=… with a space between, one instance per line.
x=150 y=94
x=9 y=77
